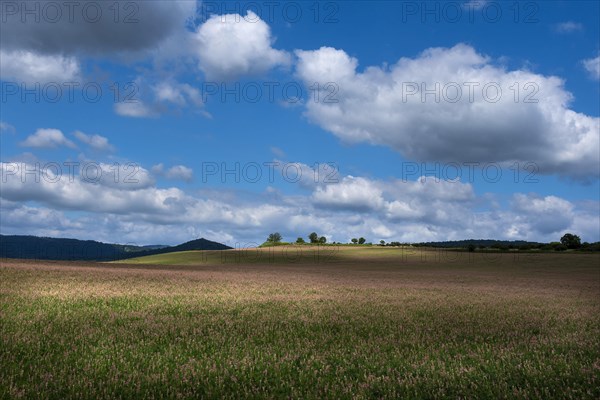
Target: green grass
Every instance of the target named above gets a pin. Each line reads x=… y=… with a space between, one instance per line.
x=369 y=323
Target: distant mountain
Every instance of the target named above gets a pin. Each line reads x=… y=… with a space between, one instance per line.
x=127 y=248
x=45 y=248
x=154 y=246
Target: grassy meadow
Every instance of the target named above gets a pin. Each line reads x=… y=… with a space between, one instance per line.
x=305 y=323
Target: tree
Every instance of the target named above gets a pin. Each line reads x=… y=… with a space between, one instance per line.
x=274 y=237
x=322 y=240
x=571 y=241
x=354 y=240
x=314 y=238
x=471 y=247
x=361 y=240
x=382 y=242
x=300 y=241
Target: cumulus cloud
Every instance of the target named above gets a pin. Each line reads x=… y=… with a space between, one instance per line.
x=421 y=210
x=230 y=46
x=350 y=194
x=544 y=214
x=176 y=172
x=307 y=176
x=453 y=105
x=87 y=186
x=34 y=218
x=132 y=193
x=156 y=96
x=426 y=200
x=177 y=93
x=93 y=27
x=31 y=67
x=47 y=138
x=592 y=66
x=135 y=109
x=96 y=142
x=123 y=176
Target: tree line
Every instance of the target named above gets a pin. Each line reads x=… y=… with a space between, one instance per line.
x=568 y=241
x=313 y=238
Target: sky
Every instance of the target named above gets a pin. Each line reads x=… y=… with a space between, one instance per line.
x=155 y=122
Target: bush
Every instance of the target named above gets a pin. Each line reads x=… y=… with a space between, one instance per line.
x=557 y=246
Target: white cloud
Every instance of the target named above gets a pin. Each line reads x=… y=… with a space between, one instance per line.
x=230 y=46
x=308 y=176
x=120 y=28
x=47 y=138
x=155 y=96
x=180 y=172
x=350 y=194
x=433 y=188
x=544 y=214
x=329 y=64
x=388 y=105
x=33 y=218
x=96 y=142
x=135 y=109
x=6 y=127
x=176 y=172
x=122 y=176
x=426 y=201
x=381 y=231
x=95 y=187
x=158 y=169
x=568 y=27
x=30 y=67
x=421 y=210
x=592 y=65
x=178 y=93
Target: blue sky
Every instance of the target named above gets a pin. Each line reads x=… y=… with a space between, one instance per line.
x=189 y=125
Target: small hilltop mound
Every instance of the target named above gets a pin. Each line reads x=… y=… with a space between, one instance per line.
x=199 y=244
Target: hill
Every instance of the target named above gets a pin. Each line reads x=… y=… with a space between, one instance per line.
x=198 y=244
x=45 y=248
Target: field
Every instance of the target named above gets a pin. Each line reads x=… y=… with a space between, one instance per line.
x=303 y=323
